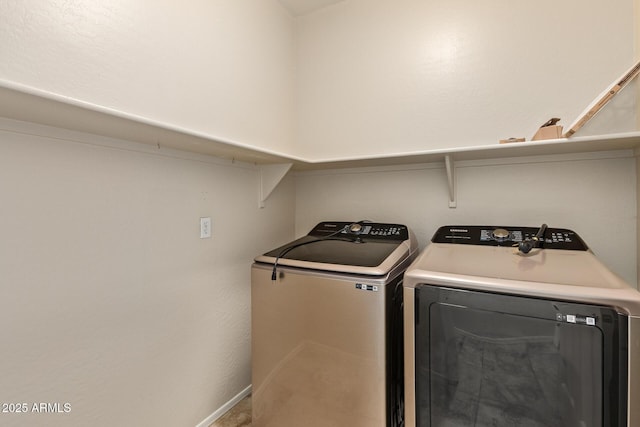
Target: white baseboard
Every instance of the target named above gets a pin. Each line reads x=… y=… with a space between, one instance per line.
x=224 y=408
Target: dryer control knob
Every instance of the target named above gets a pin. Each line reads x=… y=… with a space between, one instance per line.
x=500 y=234
x=355 y=228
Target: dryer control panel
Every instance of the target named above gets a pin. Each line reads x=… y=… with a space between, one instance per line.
x=554 y=238
x=362 y=229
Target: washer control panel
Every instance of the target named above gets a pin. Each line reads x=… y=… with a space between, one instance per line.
x=554 y=238
x=362 y=229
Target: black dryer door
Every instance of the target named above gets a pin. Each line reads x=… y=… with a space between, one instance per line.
x=485 y=359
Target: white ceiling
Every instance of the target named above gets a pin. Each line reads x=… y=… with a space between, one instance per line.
x=302 y=7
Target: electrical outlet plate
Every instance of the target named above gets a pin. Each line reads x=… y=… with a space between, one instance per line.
x=205 y=228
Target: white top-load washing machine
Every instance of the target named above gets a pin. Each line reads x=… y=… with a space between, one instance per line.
x=327 y=327
x=518 y=326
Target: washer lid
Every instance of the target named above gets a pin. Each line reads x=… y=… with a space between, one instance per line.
x=343 y=252
x=359 y=248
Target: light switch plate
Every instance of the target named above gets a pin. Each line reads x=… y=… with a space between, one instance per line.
x=205 y=228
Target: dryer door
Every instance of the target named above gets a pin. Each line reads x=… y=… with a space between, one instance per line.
x=486 y=359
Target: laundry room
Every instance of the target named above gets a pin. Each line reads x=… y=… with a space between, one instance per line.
x=149 y=152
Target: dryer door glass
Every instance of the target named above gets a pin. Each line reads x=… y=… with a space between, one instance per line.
x=496 y=360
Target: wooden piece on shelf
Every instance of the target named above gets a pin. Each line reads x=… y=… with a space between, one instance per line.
x=603 y=99
x=549 y=130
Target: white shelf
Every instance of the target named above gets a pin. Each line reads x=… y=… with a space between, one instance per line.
x=623 y=141
x=35 y=106
x=27 y=104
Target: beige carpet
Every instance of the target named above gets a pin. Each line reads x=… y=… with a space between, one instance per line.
x=238 y=416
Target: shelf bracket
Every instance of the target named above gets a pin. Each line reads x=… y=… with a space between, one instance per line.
x=270 y=177
x=449 y=165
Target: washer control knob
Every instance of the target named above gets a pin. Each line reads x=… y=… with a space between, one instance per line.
x=500 y=234
x=355 y=228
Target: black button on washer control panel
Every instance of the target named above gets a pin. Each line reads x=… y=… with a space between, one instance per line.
x=554 y=238
x=362 y=229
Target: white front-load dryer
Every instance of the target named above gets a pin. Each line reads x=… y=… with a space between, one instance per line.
x=518 y=326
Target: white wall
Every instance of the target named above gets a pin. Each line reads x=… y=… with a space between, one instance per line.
x=358 y=77
x=593 y=194
x=110 y=300
x=380 y=76
x=216 y=67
